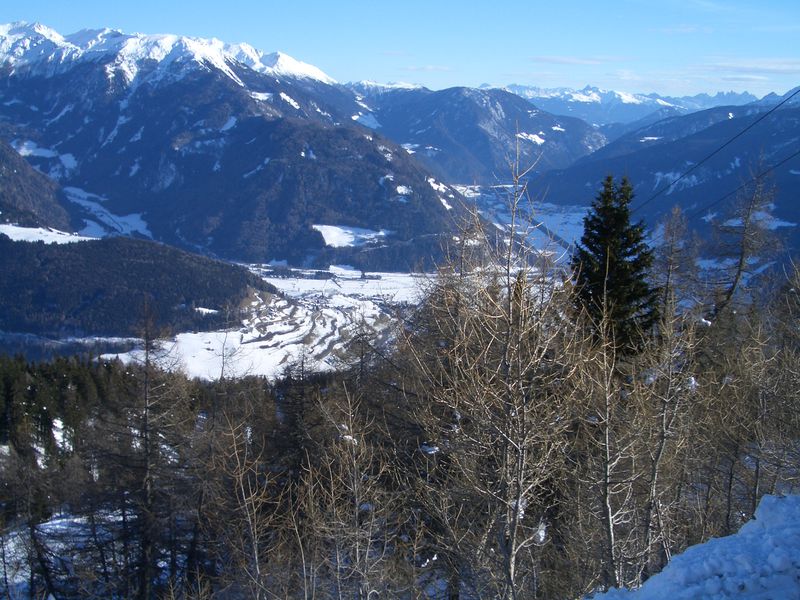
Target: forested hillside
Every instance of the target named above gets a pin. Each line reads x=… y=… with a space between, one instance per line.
x=107 y=287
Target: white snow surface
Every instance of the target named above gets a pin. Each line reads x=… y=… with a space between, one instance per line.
x=549 y=228
x=761 y=561
x=67 y=162
x=229 y=124
x=340 y=236
x=585 y=95
x=627 y=98
x=45 y=51
x=41 y=234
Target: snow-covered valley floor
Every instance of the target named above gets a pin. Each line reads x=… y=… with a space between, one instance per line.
x=312 y=321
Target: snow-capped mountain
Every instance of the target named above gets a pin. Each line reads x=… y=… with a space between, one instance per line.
x=603 y=107
x=35 y=49
x=467 y=135
x=216 y=147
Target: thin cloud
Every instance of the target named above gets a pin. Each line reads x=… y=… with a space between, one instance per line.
x=744 y=78
x=427 y=68
x=568 y=60
x=766 y=66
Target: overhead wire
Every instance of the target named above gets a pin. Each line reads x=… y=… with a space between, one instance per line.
x=753 y=179
x=699 y=211
x=715 y=152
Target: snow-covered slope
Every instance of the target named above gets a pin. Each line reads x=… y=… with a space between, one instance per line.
x=761 y=561
x=39 y=50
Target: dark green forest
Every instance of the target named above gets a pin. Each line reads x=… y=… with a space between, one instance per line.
x=104 y=288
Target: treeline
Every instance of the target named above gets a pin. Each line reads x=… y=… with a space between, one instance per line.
x=508 y=446
x=100 y=287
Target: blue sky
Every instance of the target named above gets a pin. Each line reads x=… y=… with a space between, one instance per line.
x=668 y=46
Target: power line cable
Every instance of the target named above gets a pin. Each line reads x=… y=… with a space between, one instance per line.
x=753 y=179
x=697 y=212
x=717 y=151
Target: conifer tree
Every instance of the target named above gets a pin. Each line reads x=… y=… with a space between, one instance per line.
x=611 y=266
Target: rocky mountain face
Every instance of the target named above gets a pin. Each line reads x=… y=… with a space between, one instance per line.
x=212 y=147
x=469 y=136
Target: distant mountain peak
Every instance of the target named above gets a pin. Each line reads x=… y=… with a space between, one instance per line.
x=603 y=106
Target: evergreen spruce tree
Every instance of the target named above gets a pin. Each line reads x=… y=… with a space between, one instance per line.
x=611 y=266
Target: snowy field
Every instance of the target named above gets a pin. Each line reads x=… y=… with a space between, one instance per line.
x=317 y=314
x=40 y=234
x=761 y=561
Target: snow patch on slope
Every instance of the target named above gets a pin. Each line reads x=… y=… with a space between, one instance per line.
x=367 y=120
x=337 y=236
x=105 y=222
x=66 y=164
x=289 y=100
x=531 y=137
x=313 y=321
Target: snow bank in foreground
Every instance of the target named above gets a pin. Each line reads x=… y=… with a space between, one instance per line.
x=761 y=561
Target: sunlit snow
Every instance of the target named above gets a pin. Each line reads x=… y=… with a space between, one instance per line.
x=531 y=137
x=44 y=50
x=762 y=560
x=289 y=100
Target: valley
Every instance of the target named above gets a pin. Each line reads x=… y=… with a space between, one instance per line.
x=313 y=323
x=265 y=333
